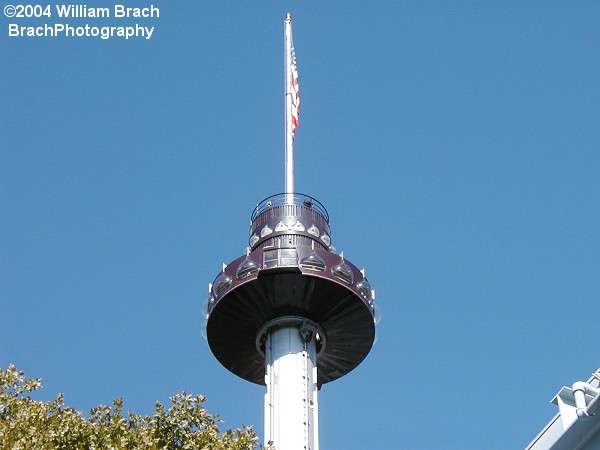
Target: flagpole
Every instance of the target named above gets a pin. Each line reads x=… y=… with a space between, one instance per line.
x=289 y=141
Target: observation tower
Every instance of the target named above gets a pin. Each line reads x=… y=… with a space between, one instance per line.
x=290 y=313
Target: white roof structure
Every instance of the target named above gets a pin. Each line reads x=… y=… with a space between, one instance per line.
x=577 y=424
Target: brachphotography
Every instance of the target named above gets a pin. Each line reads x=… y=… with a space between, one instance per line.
x=66 y=30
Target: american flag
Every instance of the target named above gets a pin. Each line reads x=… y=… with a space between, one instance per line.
x=295 y=112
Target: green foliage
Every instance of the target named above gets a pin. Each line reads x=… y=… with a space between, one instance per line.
x=27 y=424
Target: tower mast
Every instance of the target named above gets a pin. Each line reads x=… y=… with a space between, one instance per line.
x=289 y=99
x=290 y=314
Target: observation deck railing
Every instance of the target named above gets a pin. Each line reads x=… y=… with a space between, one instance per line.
x=283 y=199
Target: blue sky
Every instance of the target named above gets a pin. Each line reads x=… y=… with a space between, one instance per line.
x=454 y=144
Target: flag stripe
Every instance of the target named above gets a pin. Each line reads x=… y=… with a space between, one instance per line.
x=295 y=93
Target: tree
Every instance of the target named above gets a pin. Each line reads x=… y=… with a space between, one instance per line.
x=27 y=424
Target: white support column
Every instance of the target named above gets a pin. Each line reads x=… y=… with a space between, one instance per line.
x=291 y=409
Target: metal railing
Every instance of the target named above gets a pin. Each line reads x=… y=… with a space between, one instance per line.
x=290 y=199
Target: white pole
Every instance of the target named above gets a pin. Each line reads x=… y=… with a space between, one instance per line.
x=291 y=408
x=289 y=142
